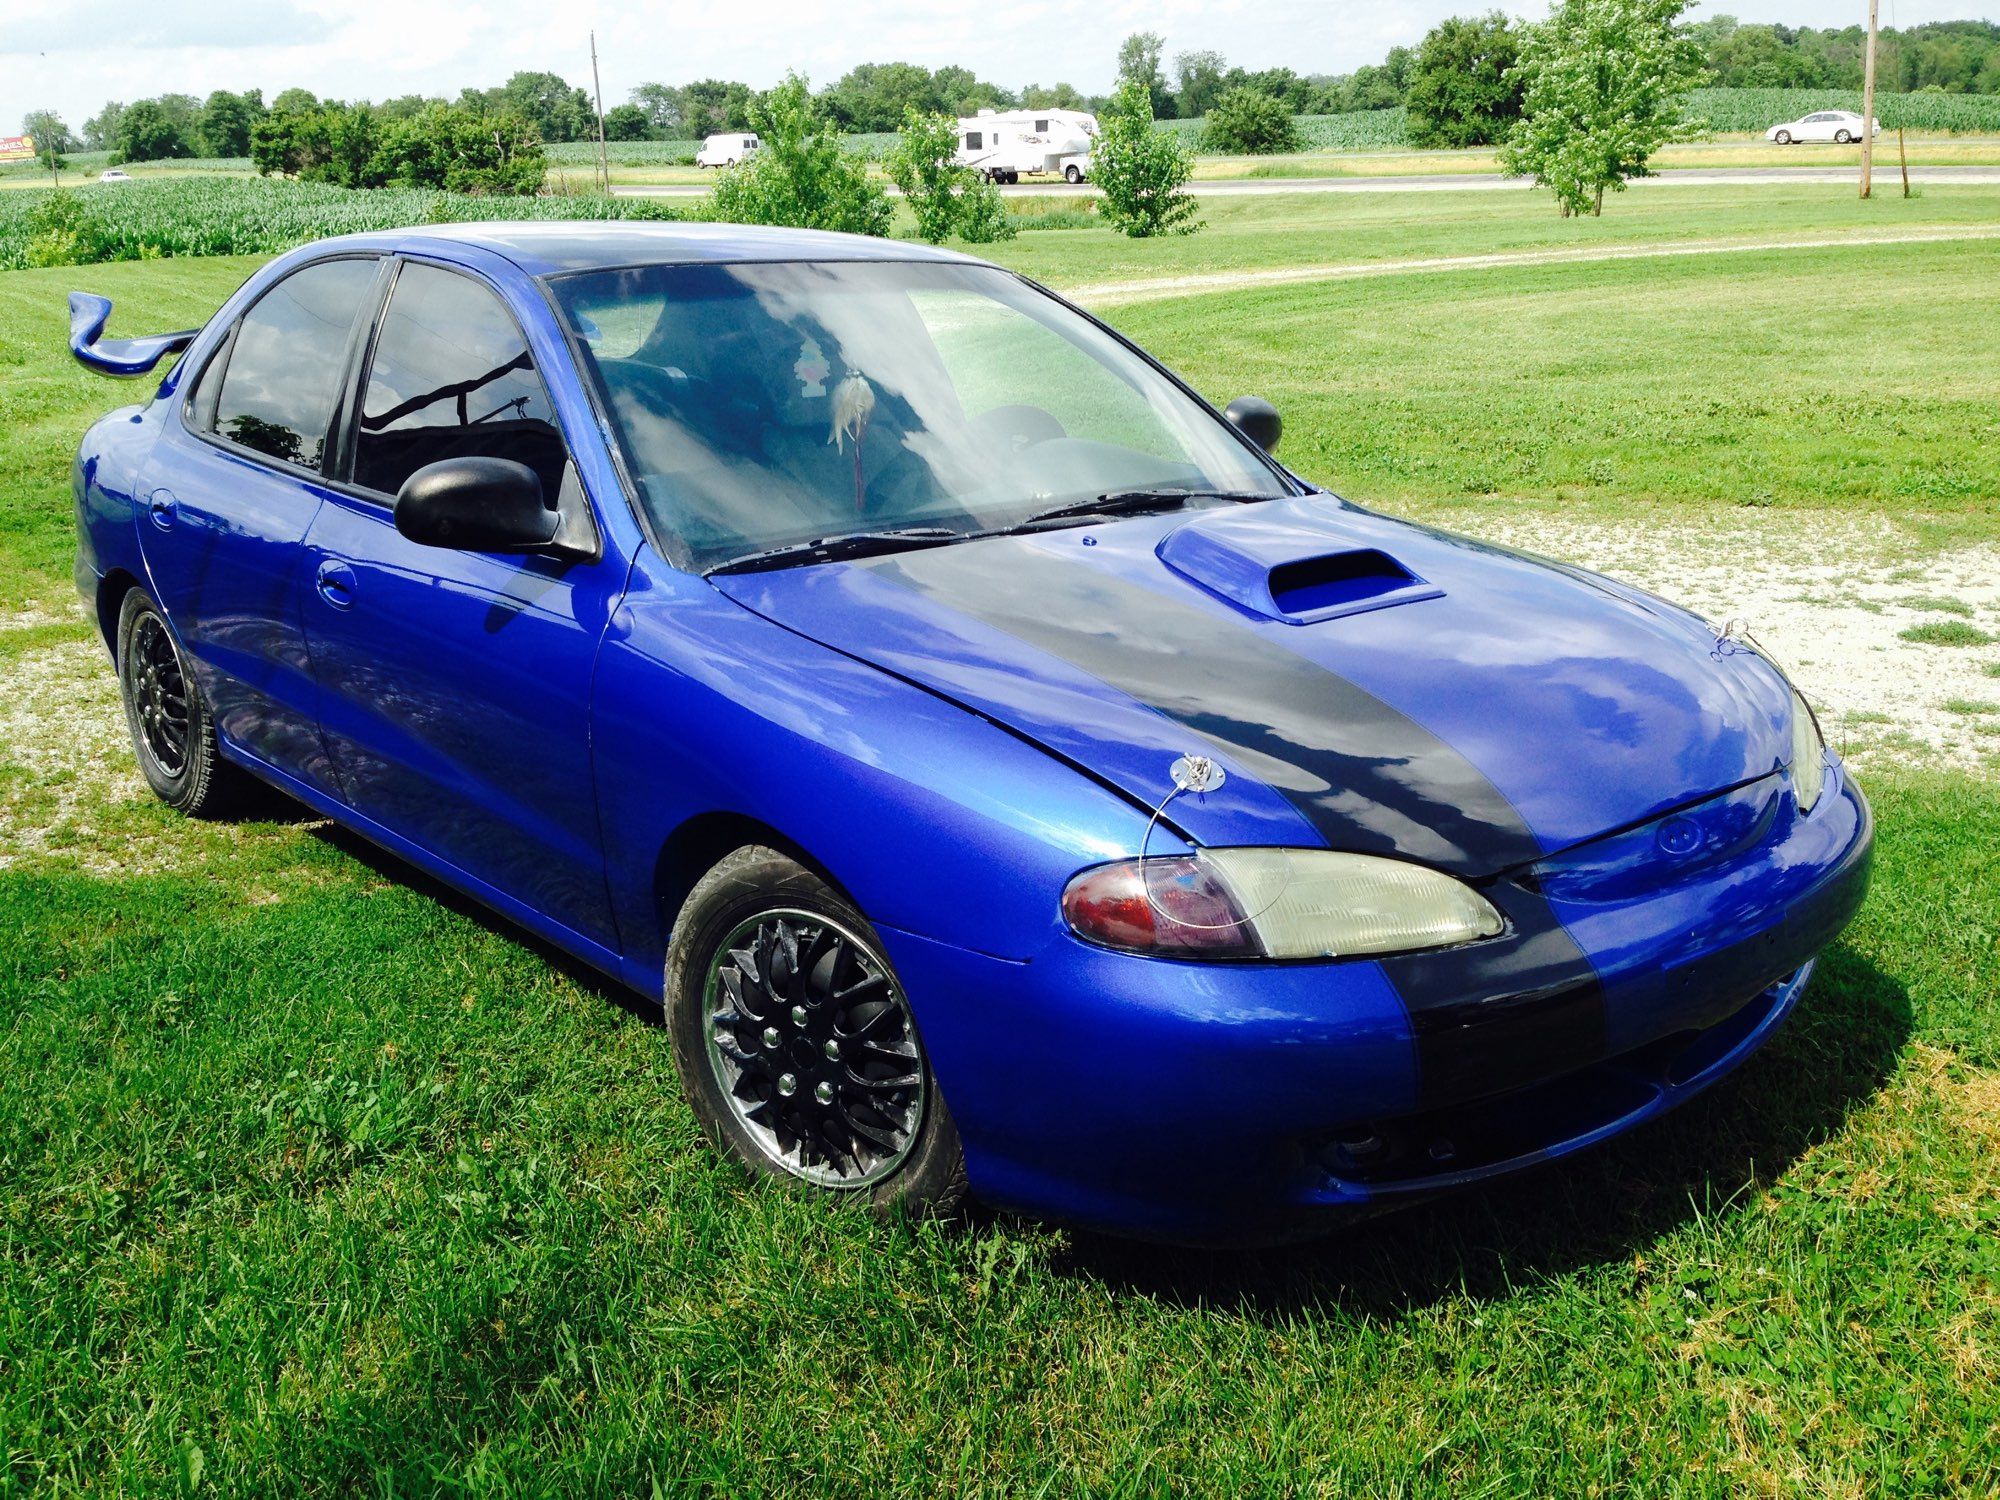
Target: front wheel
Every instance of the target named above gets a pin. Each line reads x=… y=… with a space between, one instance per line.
x=1074 y=174
x=796 y=1044
x=1784 y=138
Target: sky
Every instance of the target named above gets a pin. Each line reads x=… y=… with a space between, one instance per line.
x=73 y=57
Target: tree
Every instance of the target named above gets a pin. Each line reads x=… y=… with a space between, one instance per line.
x=328 y=143
x=874 y=96
x=1605 y=85
x=557 y=110
x=147 y=132
x=711 y=104
x=295 y=99
x=965 y=94
x=1141 y=171
x=52 y=139
x=627 y=122
x=1200 y=75
x=1139 y=61
x=1055 y=96
x=661 y=104
x=226 y=120
x=51 y=136
x=946 y=197
x=100 y=131
x=801 y=177
x=1245 y=120
x=1465 y=89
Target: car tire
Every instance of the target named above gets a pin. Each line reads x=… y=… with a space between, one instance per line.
x=1783 y=138
x=786 y=1071
x=1842 y=138
x=173 y=733
x=1073 y=174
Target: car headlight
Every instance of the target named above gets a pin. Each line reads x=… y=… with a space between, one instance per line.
x=1274 y=903
x=1808 y=754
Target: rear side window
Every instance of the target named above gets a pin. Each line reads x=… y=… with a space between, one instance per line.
x=285 y=362
x=452 y=378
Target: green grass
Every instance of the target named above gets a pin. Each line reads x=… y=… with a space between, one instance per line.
x=318 y=1180
x=1308 y=229
x=1632 y=384
x=1937 y=604
x=1972 y=706
x=1947 y=633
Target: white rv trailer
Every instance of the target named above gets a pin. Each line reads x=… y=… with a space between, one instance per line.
x=1006 y=145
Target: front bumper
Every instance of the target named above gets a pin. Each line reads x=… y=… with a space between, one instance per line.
x=1244 y=1102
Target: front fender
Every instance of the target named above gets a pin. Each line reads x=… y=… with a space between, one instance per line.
x=936 y=821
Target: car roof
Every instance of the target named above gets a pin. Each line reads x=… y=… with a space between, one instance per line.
x=553 y=247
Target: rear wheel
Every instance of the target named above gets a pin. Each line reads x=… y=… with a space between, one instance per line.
x=172 y=732
x=1842 y=137
x=1074 y=174
x=796 y=1044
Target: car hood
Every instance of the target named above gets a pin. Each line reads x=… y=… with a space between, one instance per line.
x=1366 y=683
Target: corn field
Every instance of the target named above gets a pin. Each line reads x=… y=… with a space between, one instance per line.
x=1728 y=111
x=247 y=216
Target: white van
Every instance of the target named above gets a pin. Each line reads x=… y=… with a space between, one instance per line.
x=725 y=150
x=1008 y=145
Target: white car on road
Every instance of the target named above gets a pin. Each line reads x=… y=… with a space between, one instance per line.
x=725 y=150
x=114 y=175
x=1837 y=125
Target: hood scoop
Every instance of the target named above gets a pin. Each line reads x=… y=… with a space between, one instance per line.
x=1264 y=573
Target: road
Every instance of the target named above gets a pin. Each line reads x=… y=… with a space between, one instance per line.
x=1455 y=182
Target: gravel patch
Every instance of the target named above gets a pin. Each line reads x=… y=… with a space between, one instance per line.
x=65 y=756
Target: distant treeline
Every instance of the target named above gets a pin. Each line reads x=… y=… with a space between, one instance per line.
x=1949 y=56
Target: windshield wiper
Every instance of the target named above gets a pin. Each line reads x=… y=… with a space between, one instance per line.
x=833 y=548
x=1128 y=503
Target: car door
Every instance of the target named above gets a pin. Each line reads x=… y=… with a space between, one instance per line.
x=239 y=480
x=455 y=686
x=1819 y=127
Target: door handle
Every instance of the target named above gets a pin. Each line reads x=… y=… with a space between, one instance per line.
x=161 y=506
x=335 y=582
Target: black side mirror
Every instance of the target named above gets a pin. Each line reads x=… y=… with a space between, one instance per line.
x=476 y=505
x=1258 y=420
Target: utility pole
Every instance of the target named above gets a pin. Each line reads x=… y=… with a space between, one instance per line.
x=1868 y=107
x=604 y=162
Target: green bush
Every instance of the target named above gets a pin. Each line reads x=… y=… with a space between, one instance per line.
x=1251 y=121
x=59 y=231
x=946 y=198
x=801 y=177
x=462 y=152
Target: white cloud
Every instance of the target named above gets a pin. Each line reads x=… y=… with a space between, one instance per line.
x=125 y=49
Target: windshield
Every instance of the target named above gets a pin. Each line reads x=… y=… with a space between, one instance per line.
x=765 y=405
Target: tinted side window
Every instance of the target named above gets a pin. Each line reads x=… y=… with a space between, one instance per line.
x=284 y=368
x=452 y=378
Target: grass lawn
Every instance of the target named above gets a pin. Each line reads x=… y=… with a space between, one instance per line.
x=319 y=1180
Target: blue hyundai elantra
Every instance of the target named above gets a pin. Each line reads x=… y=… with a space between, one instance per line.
x=1008 y=777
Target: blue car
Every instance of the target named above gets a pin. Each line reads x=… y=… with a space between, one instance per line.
x=1006 y=775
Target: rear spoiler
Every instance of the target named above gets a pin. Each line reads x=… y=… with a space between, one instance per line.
x=87 y=316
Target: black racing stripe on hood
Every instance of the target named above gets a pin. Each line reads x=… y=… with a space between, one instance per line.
x=1367 y=776
x=1488 y=1016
